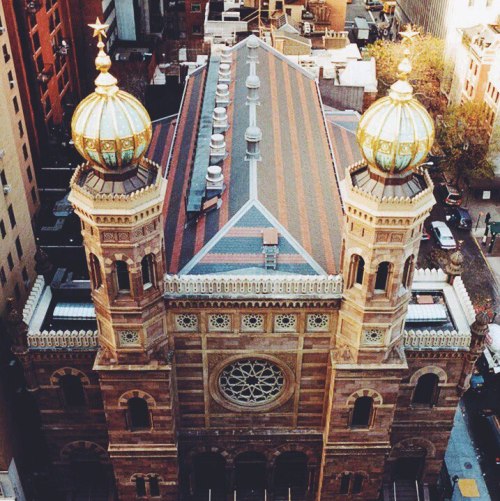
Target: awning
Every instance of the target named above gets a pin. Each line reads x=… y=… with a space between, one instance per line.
x=427 y=313
x=468 y=488
x=74 y=311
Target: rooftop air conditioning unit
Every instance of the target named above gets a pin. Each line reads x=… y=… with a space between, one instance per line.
x=7 y=189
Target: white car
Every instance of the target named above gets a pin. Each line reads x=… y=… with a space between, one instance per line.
x=443 y=235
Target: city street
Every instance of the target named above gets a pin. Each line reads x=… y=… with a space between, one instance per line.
x=357 y=9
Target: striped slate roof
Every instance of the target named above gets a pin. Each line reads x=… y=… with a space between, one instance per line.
x=294 y=188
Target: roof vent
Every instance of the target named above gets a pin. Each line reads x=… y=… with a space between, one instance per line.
x=227 y=55
x=253 y=136
x=220 y=122
x=222 y=95
x=253 y=85
x=224 y=73
x=252 y=46
x=215 y=180
x=217 y=148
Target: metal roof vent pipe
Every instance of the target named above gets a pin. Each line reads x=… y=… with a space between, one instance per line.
x=224 y=73
x=252 y=46
x=220 y=122
x=253 y=136
x=217 y=148
x=253 y=84
x=227 y=55
x=215 y=180
x=222 y=95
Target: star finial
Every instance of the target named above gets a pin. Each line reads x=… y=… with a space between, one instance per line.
x=99 y=29
x=409 y=34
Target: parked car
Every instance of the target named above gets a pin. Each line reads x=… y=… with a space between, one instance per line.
x=450 y=195
x=443 y=235
x=373 y=5
x=425 y=235
x=460 y=218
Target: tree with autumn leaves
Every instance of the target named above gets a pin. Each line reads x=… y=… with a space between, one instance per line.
x=461 y=131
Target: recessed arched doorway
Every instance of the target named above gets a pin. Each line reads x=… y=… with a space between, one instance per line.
x=209 y=476
x=250 y=475
x=409 y=465
x=290 y=473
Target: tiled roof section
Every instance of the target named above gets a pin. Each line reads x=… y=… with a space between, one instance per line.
x=161 y=141
x=294 y=185
x=240 y=247
x=342 y=126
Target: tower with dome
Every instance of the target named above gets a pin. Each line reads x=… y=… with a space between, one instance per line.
x=261 y=330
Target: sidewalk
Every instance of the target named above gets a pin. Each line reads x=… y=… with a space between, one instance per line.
x=493 y=259
x=461 y=458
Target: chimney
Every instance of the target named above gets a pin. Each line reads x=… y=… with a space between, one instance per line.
x=222 y=95
x=215 y=181
x=217 y=148
x=220 y=122
x=224 y=73
x=253 y=136
x=253 y=84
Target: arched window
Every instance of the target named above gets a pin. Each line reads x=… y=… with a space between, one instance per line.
x=345 y=481
x=357 y=270
x=362 y=412
x=95 y=271
x=72 y=390
x=138 y=414
x=407 y=270
x=154 y=487
x=140 y=487
x=382 y=278
x=147 y=268
x=122 y=276
x=357 y=483
x=426 y=390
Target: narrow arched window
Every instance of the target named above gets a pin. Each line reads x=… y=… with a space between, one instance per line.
x=154 y=487
x=140 y=487
x=95 y=271
x=407 y=271
x=382 y=278
x=138 y=414
x=345 y=481
x=147 y=268
x=362 y=412
x=426 y=390
x=360 y=270
x=72 y=391
x=357 y=483
x=122 y=276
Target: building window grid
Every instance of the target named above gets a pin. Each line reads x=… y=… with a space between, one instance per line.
x=10 y=261
x=19 y=248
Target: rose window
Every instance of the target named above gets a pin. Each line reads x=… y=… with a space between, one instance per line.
x=186 y=322
x=373 y=336
x=219 y=322
x=285 y=323
x=317 y=322
x=129 y=337
x=252 y=322
x=251 y=382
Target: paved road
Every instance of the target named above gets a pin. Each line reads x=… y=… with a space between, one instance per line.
x=477 y=276
x=357 y=9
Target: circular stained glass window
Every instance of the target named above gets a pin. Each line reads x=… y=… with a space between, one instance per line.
x=251 y=382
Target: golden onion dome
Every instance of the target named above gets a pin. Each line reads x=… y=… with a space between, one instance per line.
x=110 y=128
x=396 y=133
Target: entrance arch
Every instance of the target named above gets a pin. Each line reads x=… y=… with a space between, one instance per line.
x=290 y=471
x=209 y=475
x=249 y=473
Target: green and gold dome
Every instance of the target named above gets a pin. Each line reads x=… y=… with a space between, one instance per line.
x=396 y=133
x=111 y=129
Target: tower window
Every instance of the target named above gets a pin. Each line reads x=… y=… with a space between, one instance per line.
x=72 y=390
x=140 y=487
x=122 y=276
x=356 y=270
x=357 y=484
x=154 y=487
x=345 y=481
x=147 y=268
x=138 y=414
x=362 y=412
x=95 y=271
x=426 y=390
x=382 y=278
x=360 y=270
x=407 y=271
